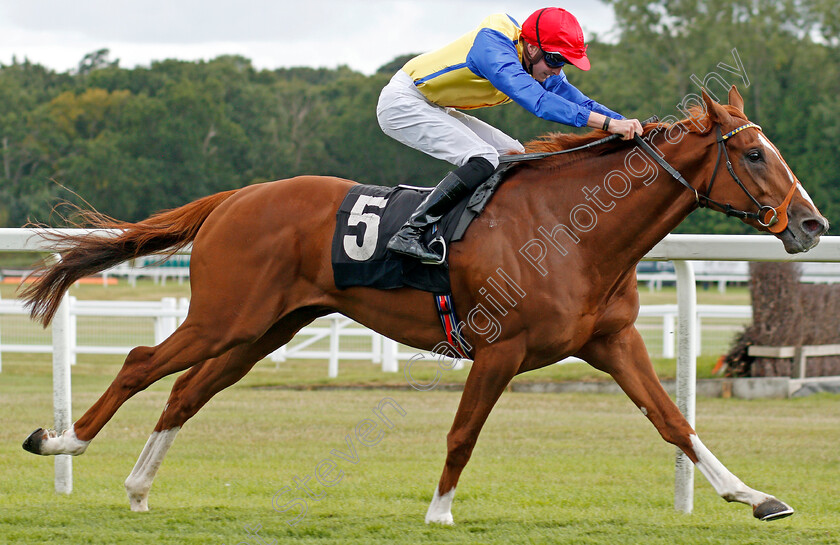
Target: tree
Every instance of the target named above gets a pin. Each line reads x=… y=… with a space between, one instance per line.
x=390 y=68
x=134 y=141
x=96 y=60
x=667 y=41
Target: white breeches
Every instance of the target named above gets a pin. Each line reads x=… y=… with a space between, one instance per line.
x=444 y=133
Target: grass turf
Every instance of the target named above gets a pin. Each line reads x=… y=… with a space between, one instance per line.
x=547 y=469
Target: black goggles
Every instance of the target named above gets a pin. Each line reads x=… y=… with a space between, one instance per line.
x=554 y=60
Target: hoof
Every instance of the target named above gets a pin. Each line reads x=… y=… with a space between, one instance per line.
x=50 y=443
x=33 y=442
x=138 y=503
x=138 y=495
x=772 y=509
x=445 y=520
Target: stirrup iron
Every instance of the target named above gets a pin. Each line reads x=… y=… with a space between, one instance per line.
x=437 y=240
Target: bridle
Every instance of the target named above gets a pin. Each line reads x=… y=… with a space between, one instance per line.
x=775 y=219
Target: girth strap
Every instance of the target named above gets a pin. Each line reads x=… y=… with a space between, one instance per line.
x=449 y=321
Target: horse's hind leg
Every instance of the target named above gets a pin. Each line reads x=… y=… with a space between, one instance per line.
x=143 y=366
x=206 y=333
x=625 y=357
x=193 y=390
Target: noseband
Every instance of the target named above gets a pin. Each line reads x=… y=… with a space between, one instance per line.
x=773 y=218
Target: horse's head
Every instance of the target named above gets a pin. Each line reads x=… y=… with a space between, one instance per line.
x=751 y=176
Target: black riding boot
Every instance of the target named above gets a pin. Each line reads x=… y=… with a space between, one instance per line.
x=455 y=186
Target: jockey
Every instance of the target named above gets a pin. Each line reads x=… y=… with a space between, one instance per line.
x=496 y=63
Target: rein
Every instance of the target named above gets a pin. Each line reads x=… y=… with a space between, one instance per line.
x=517 y=158
x=774 y=219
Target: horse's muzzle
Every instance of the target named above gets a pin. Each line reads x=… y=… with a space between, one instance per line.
x=803 y=232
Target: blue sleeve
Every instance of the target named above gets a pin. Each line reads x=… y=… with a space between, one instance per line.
x=493 y=56
x=559 y=85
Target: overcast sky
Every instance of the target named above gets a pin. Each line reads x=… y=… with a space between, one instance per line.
x=363 y=34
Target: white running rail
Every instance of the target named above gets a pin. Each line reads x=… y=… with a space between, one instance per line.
x=156 y=320
x=681 y=249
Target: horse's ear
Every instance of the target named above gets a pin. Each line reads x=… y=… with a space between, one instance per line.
x=735 y=98
x=717 y=113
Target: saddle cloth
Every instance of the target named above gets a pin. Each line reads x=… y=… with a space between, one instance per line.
x=367 y=218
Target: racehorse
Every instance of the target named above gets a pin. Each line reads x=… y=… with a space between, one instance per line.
x=566 y=231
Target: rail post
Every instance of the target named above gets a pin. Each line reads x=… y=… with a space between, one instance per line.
x=686 y=377
x=61 y=329
x=668 y=333
x=72 y=330
x=390 y=363
x=332 y=369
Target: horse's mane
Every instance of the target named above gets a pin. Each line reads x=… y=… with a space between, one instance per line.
x=558 y=141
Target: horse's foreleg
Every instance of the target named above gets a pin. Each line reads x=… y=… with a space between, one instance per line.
x=624 y=356
x=490 y=374
x=193 y=390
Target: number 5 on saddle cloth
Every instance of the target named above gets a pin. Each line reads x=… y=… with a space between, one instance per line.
x=367 y=218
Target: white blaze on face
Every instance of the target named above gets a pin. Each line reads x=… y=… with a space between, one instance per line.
x=769 y=145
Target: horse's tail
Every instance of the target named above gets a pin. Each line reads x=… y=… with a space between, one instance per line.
x=86 y=254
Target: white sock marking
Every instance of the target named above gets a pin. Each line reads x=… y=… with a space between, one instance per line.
x=139 y=482
x=66 y=443
x=727 y=485
x=440 y=510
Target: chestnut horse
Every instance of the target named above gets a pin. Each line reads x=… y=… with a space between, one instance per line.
x=559 y=243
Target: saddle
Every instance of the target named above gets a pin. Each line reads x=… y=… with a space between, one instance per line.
x=369 y=215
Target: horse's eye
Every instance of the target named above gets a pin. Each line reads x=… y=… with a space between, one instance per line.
x=754 y=156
